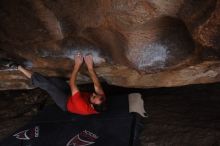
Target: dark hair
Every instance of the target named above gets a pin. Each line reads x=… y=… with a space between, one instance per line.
x=102 y=107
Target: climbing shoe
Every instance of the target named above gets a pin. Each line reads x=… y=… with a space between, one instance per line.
x=8 y=64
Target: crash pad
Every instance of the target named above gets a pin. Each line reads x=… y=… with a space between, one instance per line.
x=53 y=127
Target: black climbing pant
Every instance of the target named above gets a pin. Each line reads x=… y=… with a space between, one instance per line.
x=57 y=88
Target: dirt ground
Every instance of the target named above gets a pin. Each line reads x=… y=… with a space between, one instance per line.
x=183 y=116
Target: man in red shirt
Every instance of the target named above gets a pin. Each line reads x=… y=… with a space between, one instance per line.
x=68 y=97
x=81 y=102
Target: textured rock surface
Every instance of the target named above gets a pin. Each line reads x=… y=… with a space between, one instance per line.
x=135 y=43
x=183 y=117
x=18 y=107
x=203 y=24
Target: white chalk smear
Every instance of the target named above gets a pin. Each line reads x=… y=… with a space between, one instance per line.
x=153 y=55
x=70 y=53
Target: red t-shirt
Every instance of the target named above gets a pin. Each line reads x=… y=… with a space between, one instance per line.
x=79 y=104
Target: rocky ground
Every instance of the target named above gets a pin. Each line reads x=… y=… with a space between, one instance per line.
x=181 y=116
x=18 y=107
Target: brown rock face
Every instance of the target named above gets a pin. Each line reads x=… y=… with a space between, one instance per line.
x=205 y=23
x=135 y=43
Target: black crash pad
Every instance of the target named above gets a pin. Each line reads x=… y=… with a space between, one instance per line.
x=53 y=127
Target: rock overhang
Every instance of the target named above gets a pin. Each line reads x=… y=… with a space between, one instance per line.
x=134 y=43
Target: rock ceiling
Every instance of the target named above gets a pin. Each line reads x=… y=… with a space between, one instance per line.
x=135 y=43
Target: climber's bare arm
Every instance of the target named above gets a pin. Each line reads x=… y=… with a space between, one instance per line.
x=78 y=62
x=89 y=63
x=26 y=72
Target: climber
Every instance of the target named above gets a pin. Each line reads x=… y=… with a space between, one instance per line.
x=68 y=97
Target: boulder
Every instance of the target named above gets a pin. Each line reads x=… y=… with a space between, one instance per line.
x=135 y=43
